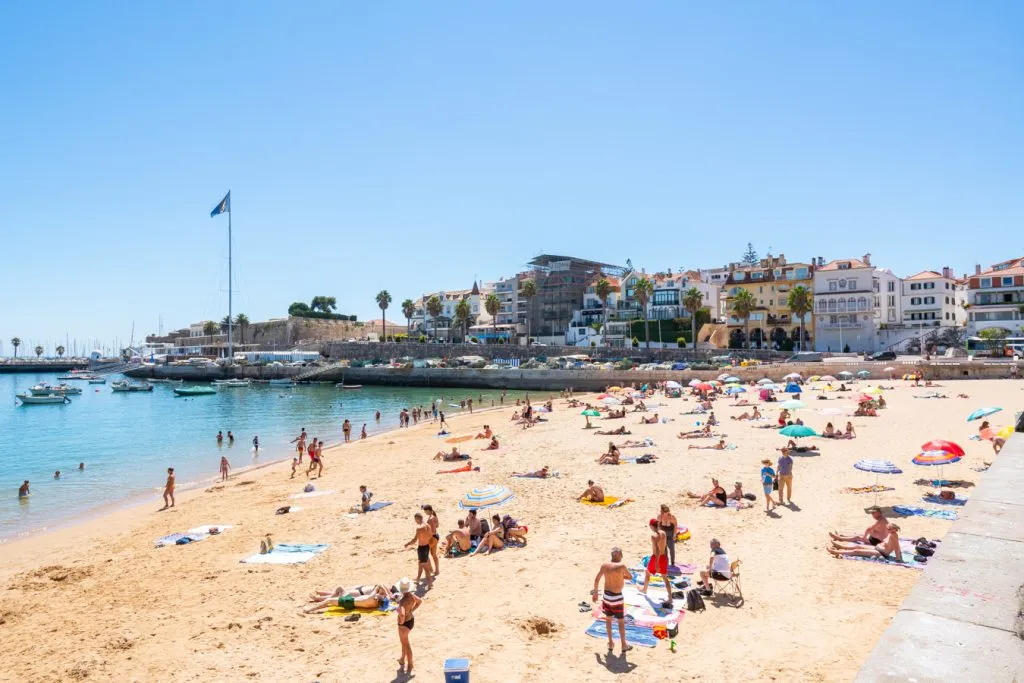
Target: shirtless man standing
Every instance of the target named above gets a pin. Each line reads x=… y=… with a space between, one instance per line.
x=422 y=540
x=594 y=493
x=169 y=489
x=615 y=575
x=658 y=564
x=873 y=535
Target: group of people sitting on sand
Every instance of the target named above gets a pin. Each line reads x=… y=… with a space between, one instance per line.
x=880 y=540
x=486 y=537
x=717 y=496
x=756 y=415
x=831 y=432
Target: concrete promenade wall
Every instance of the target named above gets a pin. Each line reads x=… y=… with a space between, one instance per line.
x=963 y=619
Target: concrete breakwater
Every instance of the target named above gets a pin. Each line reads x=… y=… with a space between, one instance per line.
x=32 y=365
x=582 y=380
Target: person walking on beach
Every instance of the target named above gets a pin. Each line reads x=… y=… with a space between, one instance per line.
x=658 y=562
x=443 y=424
x=785 y=473
x=768 y=484
x=667 y=523
x=225 y=466
x=168 y=489
x=615 y=575
x=422 y=540
x=300 y=444
x=362 y=434
x=346 y=429
x=434 y=523
x=407 y=604
x=469 y=404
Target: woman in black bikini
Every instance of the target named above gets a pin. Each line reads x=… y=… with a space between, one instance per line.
x=406 y=606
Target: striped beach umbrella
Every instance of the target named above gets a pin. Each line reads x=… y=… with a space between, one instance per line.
x=982 y=412
x=731 y=379
x=827 y=378
x=943 y=445
x=877 y=467
x=792 y=404
x=723 y=376
x=485 y=497
x=863 y=374
x=937 y=459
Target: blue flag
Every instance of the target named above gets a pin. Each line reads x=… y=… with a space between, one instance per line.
x=223 y=207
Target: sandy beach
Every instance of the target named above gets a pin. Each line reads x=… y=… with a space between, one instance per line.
x=99 y=602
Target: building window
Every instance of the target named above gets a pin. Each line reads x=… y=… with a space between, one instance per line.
x=915 y=301
x=986 y=282
x=914 y=286
x=947 y=316
x=891 y=286
x=832 y=286
x=929 y=285
x=832 y=305
x=892 y=299
x=947 y=299
x=1008 y=281
x=852 y=284
x=801 y=273
x=756 y=275
x=844 y=266
x=862 y=304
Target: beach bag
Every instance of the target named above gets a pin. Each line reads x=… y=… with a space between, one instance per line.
x=694 y=602
x=750 y=496
x=673 y=630
x=283 y=510
x=308 y=488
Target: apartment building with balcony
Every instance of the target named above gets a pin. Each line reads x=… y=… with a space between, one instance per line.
x=844 y=305
x=995 y=298
x=769 y=281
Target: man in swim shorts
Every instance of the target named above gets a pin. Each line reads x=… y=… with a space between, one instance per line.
x=422 y=540
x=873 y=535
x=615 y=575
x=658 y=563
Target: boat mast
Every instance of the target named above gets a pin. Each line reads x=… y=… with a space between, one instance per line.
x=231 y=343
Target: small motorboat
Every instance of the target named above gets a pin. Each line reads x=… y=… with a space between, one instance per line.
x=44 y=389
x=231 y=382
x=165 y=381
x=125 y=386
x=49 y=399
x=348 y=386
x=195 y=391
x=98 y=380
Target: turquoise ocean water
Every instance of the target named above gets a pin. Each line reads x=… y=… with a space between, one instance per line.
x=128 y=441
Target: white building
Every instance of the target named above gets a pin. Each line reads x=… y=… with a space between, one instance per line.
x=996 y=298
x=844 y=305
x=933 y=299
x=717 y=277
x=449 y=300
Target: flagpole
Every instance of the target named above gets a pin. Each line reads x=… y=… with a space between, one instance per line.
x=231 y=344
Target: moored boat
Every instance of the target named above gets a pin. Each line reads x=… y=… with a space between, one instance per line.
x=98 y=380
x=231 y=382
x=129 y=387
x=281 y=383
x=195 y=391
x=44 y=389
x=49 y=399
x=349 y=386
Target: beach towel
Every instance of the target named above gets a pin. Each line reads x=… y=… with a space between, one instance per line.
x=379 y=505
x=922 y=512
x=192 y=535
x=868 y=489
x=608 y=500
x=342 y=612
x=974 y=437
x=635 y=635
x=734 y=504
x=459 y=439
x=633 y=460
x=908 y=550
x=311 y=494
x=647 y=617
x=288 y=553
x=464 y=468
x=551 y=475
x=939 y=500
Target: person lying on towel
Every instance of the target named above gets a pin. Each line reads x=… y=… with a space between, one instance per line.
x=448 y=457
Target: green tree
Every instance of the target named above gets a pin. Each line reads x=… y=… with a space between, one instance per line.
x=383 y=301
x=39 y=351
x=434 y=310
x=603 y=288
x=299 y=308
x=15 y=342
x=492 y=304
x=643 y=290
x=995 y=340
x=462 y=316
x=693 y=301
x=742 y=306
x=800 y=302
x=242 y=320
x=224 y=322
x=60 y=351
x=210 y=328
x=408 y=310
x=750 y=256
x=528 y=291
x=325 y=304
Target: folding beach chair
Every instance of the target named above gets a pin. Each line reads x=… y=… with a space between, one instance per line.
x=733 y=583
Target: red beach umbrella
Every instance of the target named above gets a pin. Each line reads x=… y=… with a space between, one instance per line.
x=704 y=386
x=943 y=445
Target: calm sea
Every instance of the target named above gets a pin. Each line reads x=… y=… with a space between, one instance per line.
x=127 y=441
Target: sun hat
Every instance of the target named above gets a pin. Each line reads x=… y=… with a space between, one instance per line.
x=404 y=585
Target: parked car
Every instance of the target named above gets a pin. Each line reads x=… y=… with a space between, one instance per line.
x=883 y=355
x=805 y=357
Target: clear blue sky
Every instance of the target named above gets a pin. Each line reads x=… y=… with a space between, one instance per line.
x=413 y=145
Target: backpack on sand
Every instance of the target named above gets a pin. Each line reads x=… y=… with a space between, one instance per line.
x=694 y=602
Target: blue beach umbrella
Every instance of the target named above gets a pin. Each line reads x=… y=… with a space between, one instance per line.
x=735 y=390
x=793 y=388
x=729 y=379
x=797 y=431
x=863 y=374
x=982 y=412
x=877 y=467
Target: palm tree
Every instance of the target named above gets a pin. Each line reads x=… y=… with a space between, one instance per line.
x=224 y=322
x=492 y=304
x=528 y=291
x=60 y=351
x=434 y=310
x=39 y=351
x=408 y=310
x=693 y=301
x=462 y=316
x=603 y=288
x=742 y=306
x=643 y=290
x=800 y=303
x=383 y=301
x=210 y=328
x=242 y=320
x=15 y=342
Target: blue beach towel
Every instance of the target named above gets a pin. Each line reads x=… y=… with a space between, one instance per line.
x=379 y=504
x=908 y=563
x=922 y=512
x=288 y=553
x=939 y=500
x=635 y=635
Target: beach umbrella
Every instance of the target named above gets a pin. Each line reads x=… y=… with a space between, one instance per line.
x=485 y=497
x=793 y=388
x=813 y=378
x=982 y=412
x=735 y=390
x=590 y=412
x=730 y=379
x=877 y=467
x=600 y=396
x=703 y=386
x=672 y=384
x=723 y=376
x=937 y=458
x=792 y=375
x=611 y=401
x=873 y=391
x=888 y=369
x=714 y=382
x=792 y=404
x=943 y=445
x=614 y=388
x=846 y=374
x=827 y=378
x=764 y=380
x=864 y=398
x=797 y=431
x=863 y=374
x=694 y=382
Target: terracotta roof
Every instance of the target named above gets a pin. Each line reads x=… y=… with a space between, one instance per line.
x=1016 y=268
x=834 y=265
x=925 y=275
